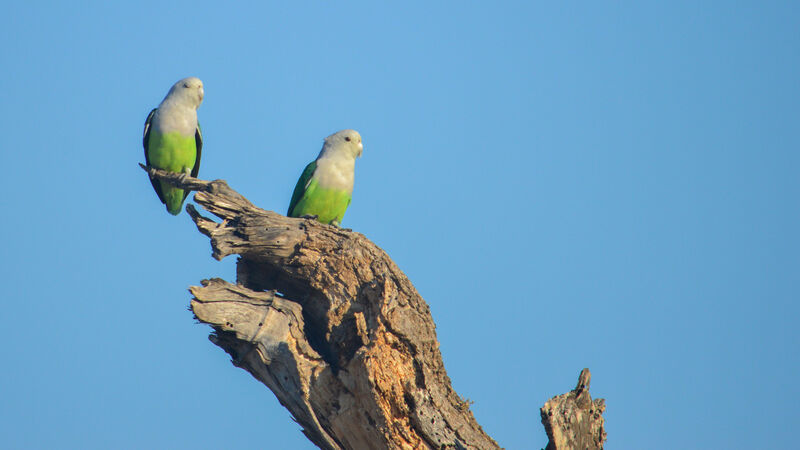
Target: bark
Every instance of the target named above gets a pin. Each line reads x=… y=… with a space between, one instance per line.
x=573 y=420
x=327 y=321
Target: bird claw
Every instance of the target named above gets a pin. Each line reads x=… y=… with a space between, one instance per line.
x=310 y=216
x=150 y=170
x=182 y=177
x=339 y=226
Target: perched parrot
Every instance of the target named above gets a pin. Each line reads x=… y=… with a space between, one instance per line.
x=172 y=139
x=326 y=185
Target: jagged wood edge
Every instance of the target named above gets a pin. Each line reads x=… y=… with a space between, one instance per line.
x=573 y=420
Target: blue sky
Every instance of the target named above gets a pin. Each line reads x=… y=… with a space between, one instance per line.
x=610 y=185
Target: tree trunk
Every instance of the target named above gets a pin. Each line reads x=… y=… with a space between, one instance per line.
x=573 y=420
x=327 y=321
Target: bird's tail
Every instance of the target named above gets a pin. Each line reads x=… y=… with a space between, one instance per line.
x=173 y=199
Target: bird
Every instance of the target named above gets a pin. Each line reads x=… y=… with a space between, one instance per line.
x=325 y=187
x=172 y=139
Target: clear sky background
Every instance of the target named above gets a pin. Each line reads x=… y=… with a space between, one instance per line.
x=611 y=185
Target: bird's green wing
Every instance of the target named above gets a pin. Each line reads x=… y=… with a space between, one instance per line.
x=198 y=139
x=146 y=135
x=301 y=186
x=146 y=144
x=198 y=142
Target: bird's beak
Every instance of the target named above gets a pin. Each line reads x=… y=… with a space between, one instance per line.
x=202 y=93
x=360 y=148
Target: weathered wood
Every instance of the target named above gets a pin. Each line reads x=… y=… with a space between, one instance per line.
x=330 y=324
x=573 y=420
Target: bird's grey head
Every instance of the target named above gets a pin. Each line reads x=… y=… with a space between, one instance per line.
x=187 y=91
x=345 y=141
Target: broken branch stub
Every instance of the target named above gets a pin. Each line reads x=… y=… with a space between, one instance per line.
x=573 y=420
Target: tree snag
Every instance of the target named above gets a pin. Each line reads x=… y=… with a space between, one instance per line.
x=327 y=321
x=573 y=420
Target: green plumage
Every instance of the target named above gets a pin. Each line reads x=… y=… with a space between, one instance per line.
x=172 y=139
x=310 y=199
x=325 y=188
x=174 y=153
x=300 y=187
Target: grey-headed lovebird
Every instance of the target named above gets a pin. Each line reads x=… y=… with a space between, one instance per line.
x=172 y=139
x=326 y=186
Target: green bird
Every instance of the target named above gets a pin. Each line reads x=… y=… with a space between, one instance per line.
x=325 y=188
x=172 y=139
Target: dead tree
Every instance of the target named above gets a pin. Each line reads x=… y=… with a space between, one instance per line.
x=330 y=324
x=573 y=420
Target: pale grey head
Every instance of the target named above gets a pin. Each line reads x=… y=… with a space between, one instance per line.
x=186 y=92
x=344 y=143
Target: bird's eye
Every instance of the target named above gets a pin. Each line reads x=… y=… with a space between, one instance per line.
x=347 y=139
x=186 y=85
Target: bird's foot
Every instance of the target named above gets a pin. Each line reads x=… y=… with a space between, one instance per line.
x=182 y=177
x=310 y=216
x=338 y=225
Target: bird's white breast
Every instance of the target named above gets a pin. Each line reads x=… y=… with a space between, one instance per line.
x=335 y=172
x=171 y=118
